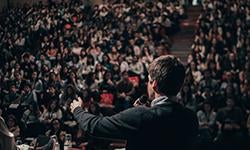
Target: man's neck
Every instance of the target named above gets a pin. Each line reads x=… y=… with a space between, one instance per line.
x=156 y=95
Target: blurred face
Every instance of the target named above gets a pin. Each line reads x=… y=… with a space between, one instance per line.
x=242 y=76
x=214 y=41
x=190 y=58
x=26 y=59
x=193 y=66
x=230 y=103
x=27 y=89
x=17 y=66
x=229 y=76
x=212 y=66
x=13 y=89
x=232 y=57
x=114 y=50
x=34 y=75
x=105 y=58
x=108 y=76
x=207 y=107
x=185 y=88
x=92 y=108
x=116 y=68
x=69 y=90
x=135 y=59
x=11 y=122
x=53 y=105
x=90 y=59
x=53 y=76
x=120 y=59
x=72 y=76
x=125 y=75
x=207 y=75
x=248 y=91
x=18 y=76
x=98 y=67
x=56 y=124
x=83 y=53
x=228 y=34
x=59 y=56
x=52 y=90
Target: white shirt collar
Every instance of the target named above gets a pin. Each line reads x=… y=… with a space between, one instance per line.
x=158 y=100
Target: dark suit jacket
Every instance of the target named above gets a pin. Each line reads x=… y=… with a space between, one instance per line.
x=167 y=125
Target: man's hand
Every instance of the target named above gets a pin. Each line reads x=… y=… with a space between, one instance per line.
x=75 y=103
x=137 y=103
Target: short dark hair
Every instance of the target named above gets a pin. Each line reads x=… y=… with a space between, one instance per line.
x=169 y=73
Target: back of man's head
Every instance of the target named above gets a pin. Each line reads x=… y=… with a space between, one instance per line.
x=169 y=74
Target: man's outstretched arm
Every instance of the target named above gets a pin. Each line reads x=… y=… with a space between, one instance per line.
x=121 y=125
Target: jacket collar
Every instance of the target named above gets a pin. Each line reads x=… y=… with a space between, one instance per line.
x=161 y=100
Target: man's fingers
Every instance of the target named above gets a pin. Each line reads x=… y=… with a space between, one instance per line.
x=79 y=99
x=75 y=103
x=76 y=100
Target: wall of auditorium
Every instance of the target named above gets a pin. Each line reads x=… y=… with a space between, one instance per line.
x=30 y=2
x=21 y=2
x=3 y=3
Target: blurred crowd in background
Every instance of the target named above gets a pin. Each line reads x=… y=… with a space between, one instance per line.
x=217 y=86
x=52 y=54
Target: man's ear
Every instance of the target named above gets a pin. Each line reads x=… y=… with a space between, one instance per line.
x=154 y=86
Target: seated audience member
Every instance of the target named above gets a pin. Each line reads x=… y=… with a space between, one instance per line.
x=188 y=98
x=232 y=113
x=56 y=128
x=80 y=138
x=245 y=100
x=206 y=117
x=30 y=120
x=36 y=83
x=137 y=67
x=28 y=95
x=230 y=122
x=248 y=126
x=248 y=131
x=42 y=142
x=52 y=112
x=208 y=82
x=91 y=82
x=68 y=93
x=229 y=81
x=95 y=109
x=12 y=97
x=50 y=94
x=13 y=126
x=7 y=140
x=107 y=87
x=125 y=91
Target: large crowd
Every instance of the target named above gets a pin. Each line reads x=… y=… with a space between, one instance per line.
x=52 y=54
x=217 y=84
